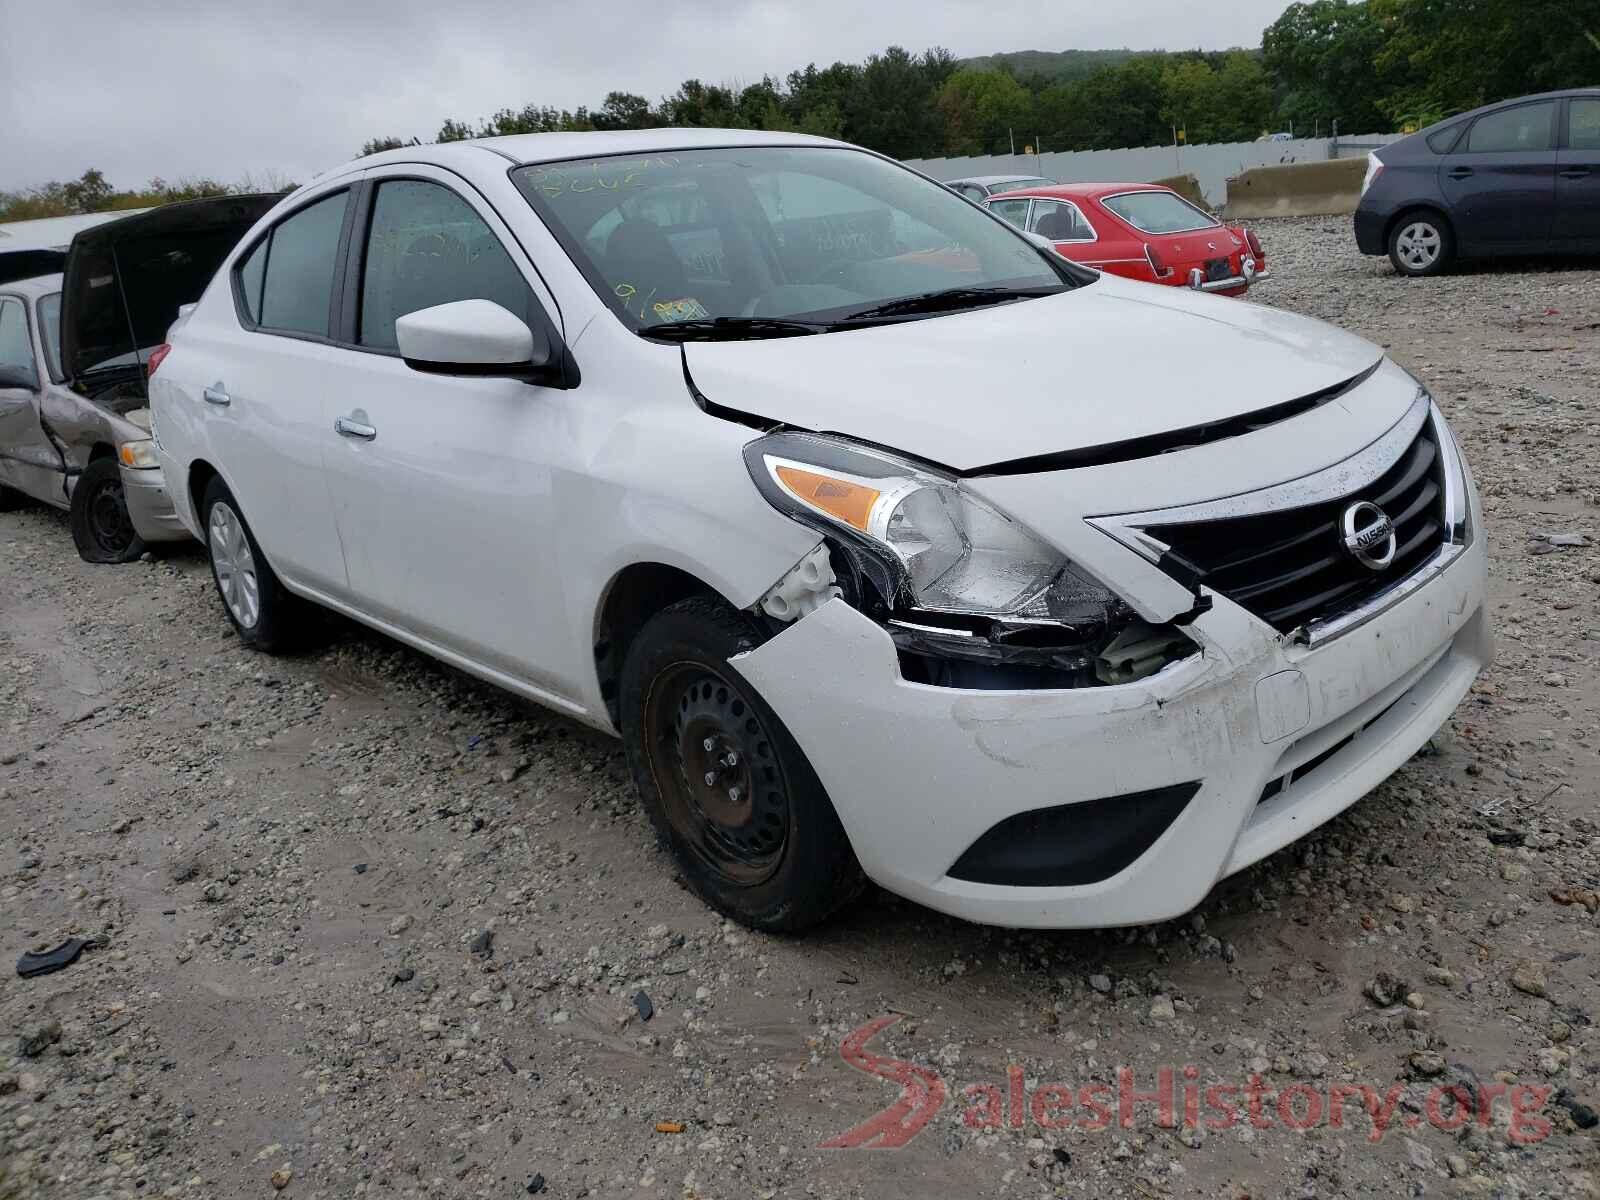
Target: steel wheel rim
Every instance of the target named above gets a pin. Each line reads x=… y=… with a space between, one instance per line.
x=1419 y=245
x=732 y=816
x=234 y=565
x=109 y=523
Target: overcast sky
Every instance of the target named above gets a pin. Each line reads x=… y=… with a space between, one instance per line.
x=287 y=88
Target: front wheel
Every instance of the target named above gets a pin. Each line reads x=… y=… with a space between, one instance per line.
x=728 y=789
x=102 y=530
x=1421 y=244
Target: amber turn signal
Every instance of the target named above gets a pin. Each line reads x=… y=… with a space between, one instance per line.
x=839 y=498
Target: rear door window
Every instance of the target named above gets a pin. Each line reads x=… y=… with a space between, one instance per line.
x=49 y=311
x=1014 y=211
x=427 y=246
x=301 y=257
x=1060 y=221
x=1524 y=129
x=1583 y=124
x=14 y=348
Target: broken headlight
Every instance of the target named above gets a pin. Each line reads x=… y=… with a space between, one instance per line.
x=946 y=551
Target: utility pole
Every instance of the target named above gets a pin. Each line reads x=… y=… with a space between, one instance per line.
x=1012 y=134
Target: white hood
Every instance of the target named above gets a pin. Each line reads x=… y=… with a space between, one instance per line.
x=1104 y=363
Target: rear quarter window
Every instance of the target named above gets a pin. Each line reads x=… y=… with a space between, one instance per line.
x=1440 y=141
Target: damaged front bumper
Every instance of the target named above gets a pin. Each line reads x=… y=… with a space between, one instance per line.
x=150 y=506
x=1180 y=778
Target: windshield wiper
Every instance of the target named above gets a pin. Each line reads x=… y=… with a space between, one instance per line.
x=715 y=329
x=948 y=300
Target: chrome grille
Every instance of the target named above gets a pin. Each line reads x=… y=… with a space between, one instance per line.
x=1289 y=567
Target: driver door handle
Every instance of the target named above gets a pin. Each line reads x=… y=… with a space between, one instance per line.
x=1574 y=172
x=218 y=395
x=345 y=427
x=1460 y=172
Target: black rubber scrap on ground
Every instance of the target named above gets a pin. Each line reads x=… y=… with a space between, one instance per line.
x=56 y=958
x=1583 y=1116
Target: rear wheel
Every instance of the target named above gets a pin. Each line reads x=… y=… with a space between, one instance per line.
x=10 y=499
x=264 y=612
x=102 y=530
x=1421 y=243
x=726 y=786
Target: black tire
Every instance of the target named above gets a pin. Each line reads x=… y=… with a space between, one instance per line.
x=101 y=528
x=276 y=622
x=776 y=859
x=1415 y=237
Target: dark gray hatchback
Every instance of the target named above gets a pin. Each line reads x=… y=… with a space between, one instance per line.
x=1518 y=177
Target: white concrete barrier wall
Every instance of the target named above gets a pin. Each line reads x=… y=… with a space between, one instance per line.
x=1212 y=165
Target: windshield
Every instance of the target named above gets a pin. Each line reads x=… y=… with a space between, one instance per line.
x=1159 y=212
x=50 y=333
x=753 y=235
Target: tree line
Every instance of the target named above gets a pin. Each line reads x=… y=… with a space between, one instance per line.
x=92 y=192
x=1370 y=66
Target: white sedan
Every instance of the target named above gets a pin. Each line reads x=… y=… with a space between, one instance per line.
x=893 y=546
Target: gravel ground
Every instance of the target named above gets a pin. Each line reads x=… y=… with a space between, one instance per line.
x=374 y=929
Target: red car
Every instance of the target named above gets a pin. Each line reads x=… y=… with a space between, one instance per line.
x=1140 y=230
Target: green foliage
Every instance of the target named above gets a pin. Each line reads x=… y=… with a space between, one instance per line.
x=378 y=145
x=1443 y=56
x=92 y=192
x=983 y=110
x=1050 y=66
x=1232 y=103
x=1322 y=56
x=1370 y=66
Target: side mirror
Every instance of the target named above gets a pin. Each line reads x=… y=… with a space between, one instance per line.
x=471 y=337
x=13 y=376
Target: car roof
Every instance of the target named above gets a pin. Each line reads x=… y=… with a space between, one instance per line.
x=1509 y=101
x=39 y=285
x=523 y=148
x=987 y=180
x=1082 y=191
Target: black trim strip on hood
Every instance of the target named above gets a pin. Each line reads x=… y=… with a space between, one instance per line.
x=1147 y=446
x=1150 y=445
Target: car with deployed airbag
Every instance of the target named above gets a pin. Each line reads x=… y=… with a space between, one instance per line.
x=673 y=431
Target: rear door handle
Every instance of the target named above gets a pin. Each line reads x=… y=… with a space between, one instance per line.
x=1460 y=172
x=218 y=395
x=345 y=427
x=1575 y=172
